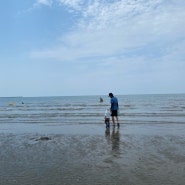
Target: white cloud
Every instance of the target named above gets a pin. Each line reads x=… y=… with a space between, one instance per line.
x=75 y=4
x=136 y=40
x=114 y=28
x=36 y=4
x=44 y=2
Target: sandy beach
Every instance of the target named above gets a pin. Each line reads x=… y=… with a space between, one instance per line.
x=33 y=154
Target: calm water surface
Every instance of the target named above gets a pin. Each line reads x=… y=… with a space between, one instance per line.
x=87 y=109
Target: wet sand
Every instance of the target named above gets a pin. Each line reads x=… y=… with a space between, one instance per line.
x=32 y=154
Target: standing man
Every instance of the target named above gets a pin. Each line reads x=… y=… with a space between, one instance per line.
x=114 y=108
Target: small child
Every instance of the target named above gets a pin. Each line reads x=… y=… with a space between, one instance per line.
x=107 y=118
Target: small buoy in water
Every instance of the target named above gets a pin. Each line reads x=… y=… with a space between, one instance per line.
x=10 y=103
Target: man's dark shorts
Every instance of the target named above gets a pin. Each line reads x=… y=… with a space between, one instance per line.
x=114 y=113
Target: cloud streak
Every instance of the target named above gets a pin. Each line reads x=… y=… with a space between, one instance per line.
x=111 y=29
x=44 y=2
x=136 y=40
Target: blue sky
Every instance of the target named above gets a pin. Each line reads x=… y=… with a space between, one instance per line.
x=91 y=47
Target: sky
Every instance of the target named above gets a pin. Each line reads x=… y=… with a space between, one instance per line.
x=91 y=47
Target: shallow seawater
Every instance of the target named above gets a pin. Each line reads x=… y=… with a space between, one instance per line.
x=135 y=109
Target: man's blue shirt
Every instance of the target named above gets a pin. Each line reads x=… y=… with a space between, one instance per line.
x=114 y=103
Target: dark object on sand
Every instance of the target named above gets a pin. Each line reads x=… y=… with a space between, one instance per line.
x=43 y=138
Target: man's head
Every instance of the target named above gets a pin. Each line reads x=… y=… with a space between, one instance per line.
x=111 y=95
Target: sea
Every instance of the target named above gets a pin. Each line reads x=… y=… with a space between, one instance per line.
x=68 y=110
x=63 y=140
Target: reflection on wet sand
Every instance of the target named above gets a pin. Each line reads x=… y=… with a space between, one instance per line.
x=113 y=138
x=135 y=155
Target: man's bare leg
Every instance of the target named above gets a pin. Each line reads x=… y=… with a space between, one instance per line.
x=117 y=121
x=113 y=122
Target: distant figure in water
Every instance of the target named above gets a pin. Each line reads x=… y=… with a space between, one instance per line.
x=101 y=99
x=22 y=100
x=10 y=103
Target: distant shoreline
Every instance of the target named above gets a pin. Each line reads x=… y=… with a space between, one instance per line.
x=50 y=96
